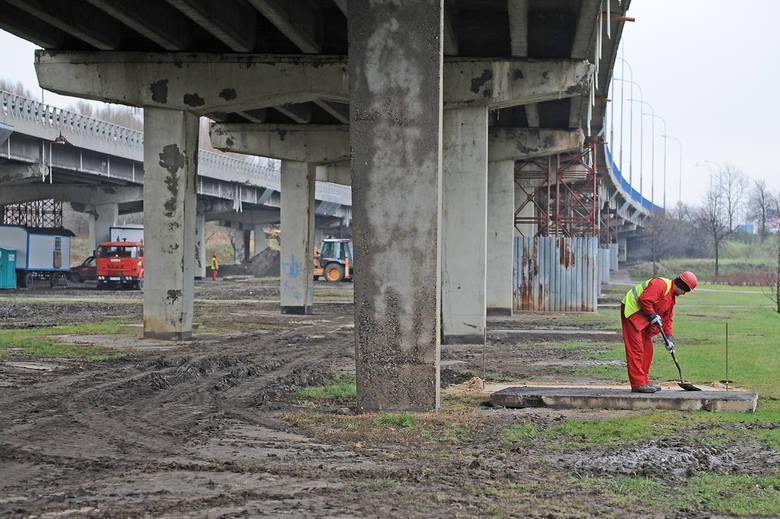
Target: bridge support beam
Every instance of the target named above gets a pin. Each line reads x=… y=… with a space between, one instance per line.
x=500 y=236
x=170 y=169
x=465 y=225
x=101 y=218
x=297 y=243
x=395 y=71
x=199 y=254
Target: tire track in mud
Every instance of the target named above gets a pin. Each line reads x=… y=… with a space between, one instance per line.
x=152 y=405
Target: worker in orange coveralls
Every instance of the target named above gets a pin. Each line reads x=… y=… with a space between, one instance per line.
x=214 y=266
x=644 y=311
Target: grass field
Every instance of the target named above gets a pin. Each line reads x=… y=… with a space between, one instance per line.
x=702 y=321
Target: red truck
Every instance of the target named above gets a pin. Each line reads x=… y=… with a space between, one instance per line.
x=120 y=264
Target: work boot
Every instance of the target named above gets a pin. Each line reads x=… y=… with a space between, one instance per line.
x=647 y=388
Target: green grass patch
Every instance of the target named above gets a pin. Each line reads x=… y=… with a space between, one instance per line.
x=521 y=432
x=713 y=429
x=740 y=495
x=39 y=342
x=342 y=387
x=701 y=338
x=735 y=495
x=402 y=420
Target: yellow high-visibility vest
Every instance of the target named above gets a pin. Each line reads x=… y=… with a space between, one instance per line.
x=631 y=299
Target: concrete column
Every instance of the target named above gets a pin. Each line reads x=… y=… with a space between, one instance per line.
x=240 y=244
x=465 y=225
x=170 y=168
x=260 y=241
x=395 y=73
x=199 y=262
x=500 y=236
x=297 y=226
x=101 y=218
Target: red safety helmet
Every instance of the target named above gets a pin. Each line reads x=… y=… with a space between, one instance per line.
x=215 y=255
x=689 y=278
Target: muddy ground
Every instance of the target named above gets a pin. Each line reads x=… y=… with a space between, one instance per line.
x=213 y=427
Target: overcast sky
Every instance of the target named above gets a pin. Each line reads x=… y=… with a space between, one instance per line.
x=709 y=68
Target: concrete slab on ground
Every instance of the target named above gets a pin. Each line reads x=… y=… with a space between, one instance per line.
x=623 y=398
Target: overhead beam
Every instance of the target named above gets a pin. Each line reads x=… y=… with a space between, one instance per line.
x=22 y=173
x=30 y=28
x=87 y=24
x=300 y=113
x=585 y=34
x=504 y=83
x=313 y=144
x=201 y=83
x=85 y=194
x=518 y=27
x=155 y=20
x=295 y=19
x=342 y=5
x=233 y=23
x=337 y=111
x=338 y=173
x=451 y=44
x=527 y=143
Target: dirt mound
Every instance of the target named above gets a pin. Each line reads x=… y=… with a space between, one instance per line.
x=264 y=264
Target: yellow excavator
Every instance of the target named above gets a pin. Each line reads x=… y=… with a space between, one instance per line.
x=333 y=260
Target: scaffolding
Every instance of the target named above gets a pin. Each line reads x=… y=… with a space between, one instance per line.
x=562 y=190
x=38 y=213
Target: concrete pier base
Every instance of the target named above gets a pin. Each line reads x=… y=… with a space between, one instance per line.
x=623 y=398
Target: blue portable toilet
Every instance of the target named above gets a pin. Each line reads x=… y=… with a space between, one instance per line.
x=7 y=268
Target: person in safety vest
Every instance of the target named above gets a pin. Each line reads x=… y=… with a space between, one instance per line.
x=214 y=266
x=644 y=311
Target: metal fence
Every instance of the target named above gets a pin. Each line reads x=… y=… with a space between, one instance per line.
x=556 y=274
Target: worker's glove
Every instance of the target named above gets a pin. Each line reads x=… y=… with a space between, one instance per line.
x=670 y=343
x=656 y=319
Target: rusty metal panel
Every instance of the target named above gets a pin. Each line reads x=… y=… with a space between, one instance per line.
x=556 y=274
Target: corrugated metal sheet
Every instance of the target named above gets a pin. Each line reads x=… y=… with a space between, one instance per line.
x=613 y=257
x=556 y=274
x=604 y=262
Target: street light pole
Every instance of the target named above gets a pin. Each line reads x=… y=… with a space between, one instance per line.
x=631 y=134
x=652 y=151
x=631 y=110
x=664 y=180
x=679 y=143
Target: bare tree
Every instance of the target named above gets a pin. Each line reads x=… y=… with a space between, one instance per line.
x=732 y=184
x=713 y=220
x=761 y=202
x=15 y=88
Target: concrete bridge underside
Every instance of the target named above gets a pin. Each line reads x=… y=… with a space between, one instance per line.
x=430 y=126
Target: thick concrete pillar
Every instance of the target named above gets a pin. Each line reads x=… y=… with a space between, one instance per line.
x=395 y=73
x=260 y=240
x=199 y=255
x=465 y=225
x=297 y=226
x=170 y=168
x=101 y=218
x=240 y=239
x=500 y=236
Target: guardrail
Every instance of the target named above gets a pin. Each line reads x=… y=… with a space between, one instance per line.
x=631 y=193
